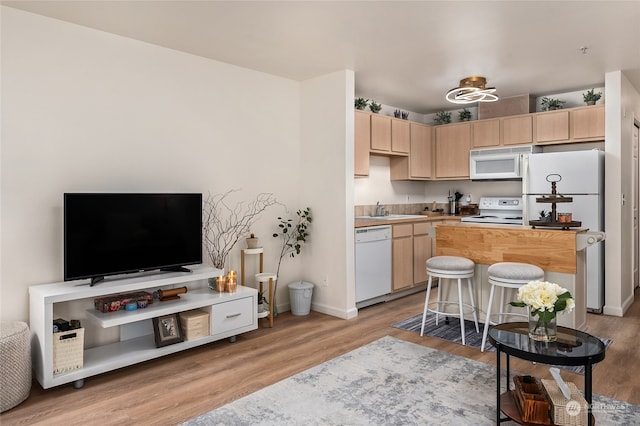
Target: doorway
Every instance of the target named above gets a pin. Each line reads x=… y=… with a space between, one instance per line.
x=636 y=201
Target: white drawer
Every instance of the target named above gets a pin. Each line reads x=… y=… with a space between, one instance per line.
x=228 y=316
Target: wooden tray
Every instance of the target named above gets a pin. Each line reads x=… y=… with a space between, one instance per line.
x=561 y=225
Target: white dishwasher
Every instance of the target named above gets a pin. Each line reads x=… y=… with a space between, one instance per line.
x=373 y=264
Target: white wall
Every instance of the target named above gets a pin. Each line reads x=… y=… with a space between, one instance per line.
x=84 y=110
x=621 y=109
x=326 y=183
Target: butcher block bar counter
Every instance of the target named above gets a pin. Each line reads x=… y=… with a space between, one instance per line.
x=560 y=253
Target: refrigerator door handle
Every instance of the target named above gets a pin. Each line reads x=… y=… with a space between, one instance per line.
x=525 y=186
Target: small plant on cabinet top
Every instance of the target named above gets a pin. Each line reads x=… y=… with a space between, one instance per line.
x=550 y=104
x=361 y=103
x=464 y=115
x=442 y=117
x=292 y=236
x=375 y=107
x=590 y=97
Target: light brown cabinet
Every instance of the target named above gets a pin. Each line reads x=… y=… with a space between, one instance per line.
x=400 y=136
x=452 y=145
x=422 y=250
x=486 y=133
x=418 y=165
x=582 y=124
x=517 y=130
x=380 y=133
x=402 y=256
x=587 y=124
x=362 y=140
x=552 y=126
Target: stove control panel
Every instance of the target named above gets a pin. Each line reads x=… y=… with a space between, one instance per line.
x=500 y=203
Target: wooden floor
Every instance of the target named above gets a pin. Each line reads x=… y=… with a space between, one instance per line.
x=180 y=386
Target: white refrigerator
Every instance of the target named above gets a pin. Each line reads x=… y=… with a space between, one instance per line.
x=582 y=178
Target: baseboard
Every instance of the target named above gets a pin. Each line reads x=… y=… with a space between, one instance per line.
x=330 y=310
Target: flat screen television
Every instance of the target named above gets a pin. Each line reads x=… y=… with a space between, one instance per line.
x=109 y=234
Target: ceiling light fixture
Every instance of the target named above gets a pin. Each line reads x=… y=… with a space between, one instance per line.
x=472 y=89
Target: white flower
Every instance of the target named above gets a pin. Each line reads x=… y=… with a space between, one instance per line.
x=543 y=295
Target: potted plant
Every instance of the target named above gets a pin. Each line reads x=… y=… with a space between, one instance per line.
x=361 y=103
x=252 y=241
x=551 y=104
x=375 y=107
x=464 y=115
x=590 y=98
x=224 y=225
x=261 y=302
x=292 y=237
x=545 y=216
x=442 y=117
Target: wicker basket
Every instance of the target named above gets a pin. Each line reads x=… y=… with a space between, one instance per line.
x=68 y=351
x=577 y=411
x=531 y=400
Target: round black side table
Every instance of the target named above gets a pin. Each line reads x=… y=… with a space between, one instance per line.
x=572 y=348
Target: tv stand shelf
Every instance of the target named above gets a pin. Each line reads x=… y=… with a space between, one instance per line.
x=229 y=315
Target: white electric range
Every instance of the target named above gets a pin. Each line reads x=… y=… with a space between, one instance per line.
x=504 y=210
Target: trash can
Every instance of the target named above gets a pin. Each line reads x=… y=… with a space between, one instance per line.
x=300 y=294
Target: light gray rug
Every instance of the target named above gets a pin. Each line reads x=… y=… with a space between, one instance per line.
x=387 y=382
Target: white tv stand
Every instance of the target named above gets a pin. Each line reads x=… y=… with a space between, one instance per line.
x=229 y=314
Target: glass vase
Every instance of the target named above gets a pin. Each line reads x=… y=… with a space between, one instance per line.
x=542 y=331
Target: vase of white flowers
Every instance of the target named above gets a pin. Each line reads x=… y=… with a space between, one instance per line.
x=544 y=300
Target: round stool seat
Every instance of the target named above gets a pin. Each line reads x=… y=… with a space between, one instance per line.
x=266 y=276
x=15 y=368
x=450 y=265
x=514 y=273
x=509 y=275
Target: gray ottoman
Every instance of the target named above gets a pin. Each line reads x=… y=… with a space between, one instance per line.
x=15 y=368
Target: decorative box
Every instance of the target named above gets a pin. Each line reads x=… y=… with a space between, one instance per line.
x=118 y=302
x=195 y=324
x=68 y=351
x=531 y=400
x=572 y=412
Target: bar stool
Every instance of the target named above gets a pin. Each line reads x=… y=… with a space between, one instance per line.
x=450 y=267
x=508 y=275
x=268 y=277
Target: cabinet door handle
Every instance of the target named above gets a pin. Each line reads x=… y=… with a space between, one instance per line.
x=233 y=315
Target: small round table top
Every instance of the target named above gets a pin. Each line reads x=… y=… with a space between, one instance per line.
x=573 y=347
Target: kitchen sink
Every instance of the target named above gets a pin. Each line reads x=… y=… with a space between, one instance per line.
x=392 y=217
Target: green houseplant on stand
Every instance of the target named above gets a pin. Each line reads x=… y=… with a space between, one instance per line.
x=292 y=237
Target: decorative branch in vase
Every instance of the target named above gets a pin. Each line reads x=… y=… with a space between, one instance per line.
x=223 y=225
x=292 y=238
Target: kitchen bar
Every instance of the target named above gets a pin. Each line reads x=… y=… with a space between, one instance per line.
x=560 y=253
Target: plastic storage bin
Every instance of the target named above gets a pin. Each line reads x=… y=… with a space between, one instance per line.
x=300 y=294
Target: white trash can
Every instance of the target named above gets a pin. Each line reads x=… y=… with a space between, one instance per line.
x=300 y=294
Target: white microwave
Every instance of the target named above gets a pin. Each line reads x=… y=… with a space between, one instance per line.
x=498 y=163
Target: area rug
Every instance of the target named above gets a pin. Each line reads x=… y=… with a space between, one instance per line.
x=386 y=382
x=451 y=332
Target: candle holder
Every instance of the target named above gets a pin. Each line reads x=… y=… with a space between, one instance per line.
x=232 y=282
x=221 y=284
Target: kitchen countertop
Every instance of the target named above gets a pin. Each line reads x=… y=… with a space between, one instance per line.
x=374 y=221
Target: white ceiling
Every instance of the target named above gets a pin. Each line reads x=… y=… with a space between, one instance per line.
x=404 y=54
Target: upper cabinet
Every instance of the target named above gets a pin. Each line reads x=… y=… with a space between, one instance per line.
x=418 y=165
x=587 y=124
x=362 y=142
x=552 y=126
x=486 y=133
x=517 y=130
x=583 y=124
x=452 y=145
x=380 y=133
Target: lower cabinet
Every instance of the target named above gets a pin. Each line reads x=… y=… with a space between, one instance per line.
x=411 y=248
x=229 y=314
x=402 y=256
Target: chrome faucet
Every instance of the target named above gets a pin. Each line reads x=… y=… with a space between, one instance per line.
x=379 y=209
